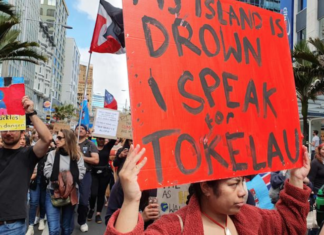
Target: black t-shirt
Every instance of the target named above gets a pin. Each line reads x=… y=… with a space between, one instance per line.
x=16 y=169
x=105 y=152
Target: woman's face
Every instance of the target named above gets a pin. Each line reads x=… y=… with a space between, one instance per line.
x=60 y=140
x=322 y=151
x=230 y=198
x=22 y=141
x=35 y=136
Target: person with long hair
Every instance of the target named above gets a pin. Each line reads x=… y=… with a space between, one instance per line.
x=316 y=174
x=215 y=207
x=66 y=158
x=24 y=141
x=121 y=154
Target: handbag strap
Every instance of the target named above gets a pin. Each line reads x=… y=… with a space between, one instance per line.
x=181 y=222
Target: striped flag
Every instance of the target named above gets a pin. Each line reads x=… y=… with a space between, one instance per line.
x=266 y=178
x=108 y=35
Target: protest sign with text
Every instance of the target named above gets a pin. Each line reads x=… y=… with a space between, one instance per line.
x=105 y=123
x=172 y=199
x=212 y=90
x=12 y=113
x=125 y=129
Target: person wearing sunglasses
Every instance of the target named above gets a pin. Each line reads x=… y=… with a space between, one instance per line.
x=66 y=158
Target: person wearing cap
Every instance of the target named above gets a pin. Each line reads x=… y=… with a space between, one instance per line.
x=16 y=168
x=91 y=157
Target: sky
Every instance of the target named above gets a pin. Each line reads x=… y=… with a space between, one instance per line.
x=109 y=71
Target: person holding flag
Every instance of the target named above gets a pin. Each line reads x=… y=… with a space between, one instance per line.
x=90 y=155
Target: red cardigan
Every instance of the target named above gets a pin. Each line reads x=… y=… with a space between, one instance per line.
x=289 y=218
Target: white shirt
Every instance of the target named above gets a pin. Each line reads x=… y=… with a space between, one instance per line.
x=316 y=140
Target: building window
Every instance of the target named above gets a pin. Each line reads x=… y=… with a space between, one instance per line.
x=42 y=1
x=41 y=11
x=38 y=86
x=321 y=29
x=51 y=2
x=302 y=4
x=301 y=35
x=50 y=12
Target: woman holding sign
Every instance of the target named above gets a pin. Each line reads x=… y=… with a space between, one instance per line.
x=216 y=207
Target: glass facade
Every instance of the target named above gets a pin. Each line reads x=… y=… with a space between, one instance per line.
x=272 y=5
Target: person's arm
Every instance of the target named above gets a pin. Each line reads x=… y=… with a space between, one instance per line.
x=128 y=215
x=120 y=157
x=111 y=144
x=48 y=167
x=313 y=171
x=116 y=200
x=45 y=137
x=82 y=168
x=94 y=159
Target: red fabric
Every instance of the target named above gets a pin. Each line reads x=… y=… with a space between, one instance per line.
x=289 y=218
x=112 y=105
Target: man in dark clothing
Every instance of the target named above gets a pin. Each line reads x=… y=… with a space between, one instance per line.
x=16 y=167
x=91 y=157
x=101 y=175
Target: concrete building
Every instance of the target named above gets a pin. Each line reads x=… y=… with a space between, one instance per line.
x=71 y=73
x=55 y=14
x=29 y=27
x=43 y=71
x=81 y=87
x=309 y=19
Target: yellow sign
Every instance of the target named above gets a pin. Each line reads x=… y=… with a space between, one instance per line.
x=12 y=122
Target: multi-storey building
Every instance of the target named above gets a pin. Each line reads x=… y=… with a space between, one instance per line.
x=71 y=73
x=309 y=19
x=43 y=71
x=29 y=26
x=81 y=87
x=55 y=14
x=272 y=5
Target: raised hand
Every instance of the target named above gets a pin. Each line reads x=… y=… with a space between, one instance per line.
x=298 y=175
x=129 y=174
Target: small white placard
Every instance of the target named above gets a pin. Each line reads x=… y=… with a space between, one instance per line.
x=105 y=123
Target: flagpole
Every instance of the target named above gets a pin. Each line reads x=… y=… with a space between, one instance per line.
x=84 y=95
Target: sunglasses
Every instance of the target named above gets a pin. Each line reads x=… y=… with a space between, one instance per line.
x=59 y=137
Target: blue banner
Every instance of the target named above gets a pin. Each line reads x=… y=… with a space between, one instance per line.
x=287 y=9
x=258 y=188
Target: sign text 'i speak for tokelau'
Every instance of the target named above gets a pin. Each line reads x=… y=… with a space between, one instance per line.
x=212 y=90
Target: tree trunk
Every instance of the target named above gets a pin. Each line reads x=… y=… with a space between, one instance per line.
x=304 y=112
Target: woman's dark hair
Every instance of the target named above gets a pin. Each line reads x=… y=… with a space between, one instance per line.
x=195 y=189
x=27 y=141
x=126 y=144
x=318 y=154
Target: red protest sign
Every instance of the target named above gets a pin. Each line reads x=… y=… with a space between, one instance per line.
x=212 y=90
x=12 y=113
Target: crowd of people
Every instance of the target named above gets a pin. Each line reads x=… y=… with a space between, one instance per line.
x=62 y=173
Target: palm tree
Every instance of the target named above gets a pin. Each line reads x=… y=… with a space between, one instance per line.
x=10 y=48
x=63 y=112
x=308 y=73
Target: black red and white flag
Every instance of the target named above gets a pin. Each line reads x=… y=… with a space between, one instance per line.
x=108 y=35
